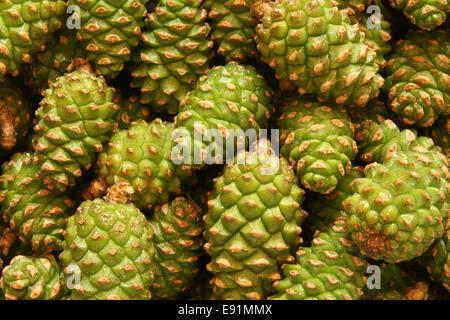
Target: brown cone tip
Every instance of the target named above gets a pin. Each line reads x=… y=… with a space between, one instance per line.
x=261 y=8
x=81 y=64
x=96 y=189
x=7 y=130
x=120 y=193
x=376 y=242
x=7 y=239
x=419 y=291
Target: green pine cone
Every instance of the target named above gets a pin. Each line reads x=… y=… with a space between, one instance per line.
x=378 y=136
x=227 y=102
x=109 y=31
x=313 y=45
x=108 y=251
x=331 y=269
x=419 y=77
x=376 y=27
x=25 y=28
x=439 y=161
x=437 y=261
x=15 y=116
x=380 y=140
x=32 y=278
x=35 y=210
x=325 y=209
x=377 y=38
x=131 y=110
x=317 y=139
x=233 y=26
x=252 y=224
x=426 y=14
x=173 y=54
x=75 y=119
x=141 y=156
x=400 y=208
x=441 y=134
x=177 y=230
x=50 y=64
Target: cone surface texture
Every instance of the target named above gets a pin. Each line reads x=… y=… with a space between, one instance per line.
x=426 y=14
x=314 y=46
x=25 y=28
x=109 y=246
x=331 y=269
x=419 y=77
x=32 y=278
x=178 y=241
x=174 y=52
x=15 y=116
x=226 y=103
x=109 y=31
x=317 y=139
x=74 y=121
x=35 y=211
x=252 y=224
x=141 y=156
x=437 y=261
x=57 y=59
x=233 y=26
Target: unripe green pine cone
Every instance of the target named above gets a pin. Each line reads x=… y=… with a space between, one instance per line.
x=252 y=225
x=426 y=14
x=177 y=229
x=317 y=139
x=229 y=100
x=36 y=211
x=418 y=81
x=142 y=156
x=25 y=28
x=109 y=246
x=109 y=31
x=74 y=120
x=173 y=53
x=331 y=269
x=32 y=278
x=399 y=209
x=313 y=45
